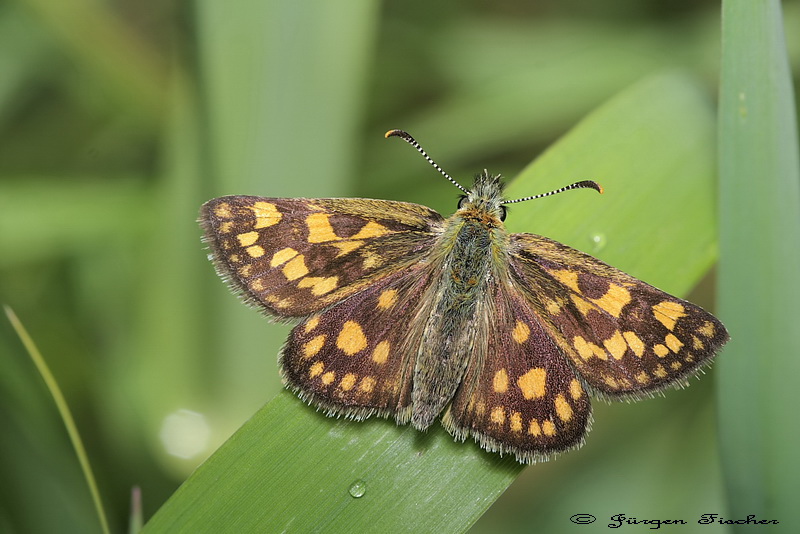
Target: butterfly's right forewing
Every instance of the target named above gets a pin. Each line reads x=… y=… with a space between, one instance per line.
x=294 y=257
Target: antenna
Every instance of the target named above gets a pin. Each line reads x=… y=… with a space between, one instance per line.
x=583 y=184
x=405 y=136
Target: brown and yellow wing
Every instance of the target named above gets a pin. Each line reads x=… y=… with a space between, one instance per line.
x=294 y=257
x=625 y=338
x=520 y=394
x=357 y=357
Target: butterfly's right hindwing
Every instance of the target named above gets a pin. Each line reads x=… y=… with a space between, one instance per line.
x=357 y=357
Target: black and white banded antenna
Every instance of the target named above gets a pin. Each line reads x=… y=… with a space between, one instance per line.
x=405 y=136
x=583 y=184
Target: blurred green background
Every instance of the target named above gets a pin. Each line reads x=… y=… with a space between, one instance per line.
x=118 y=119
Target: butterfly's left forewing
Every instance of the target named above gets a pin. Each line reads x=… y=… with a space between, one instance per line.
x=624 y=337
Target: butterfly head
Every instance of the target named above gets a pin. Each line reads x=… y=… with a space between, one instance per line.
x=485 y=198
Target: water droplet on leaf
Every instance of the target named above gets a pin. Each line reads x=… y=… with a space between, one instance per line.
x=358 y=488
x=598 y=242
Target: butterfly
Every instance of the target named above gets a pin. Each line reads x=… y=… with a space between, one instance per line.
x=406 y=314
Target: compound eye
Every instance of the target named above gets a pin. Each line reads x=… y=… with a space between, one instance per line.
x=503 y=212
x=461 y=201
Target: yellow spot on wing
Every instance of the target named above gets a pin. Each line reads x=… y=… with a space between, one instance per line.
x=225 y=227
x=320 y=229
x=515 y=421
x=568 y=278
x=266 y=213
x=587 y=349
x=346 y=246
x=673 y=343
x=584 y=307
x=500 y=381
x=348 y=381
x=370 y=230
x=563 y=409
x=552 y=307
x=387 y=299
x=255 y=251
x=616 y=345
x=295 y=268
x=312 y=347
x=642 y=377
x=282 y=256
x=328 y=378
x=634 y=342
x=351 y=338
x=325 y=285
x=223 y=211
x=668 y=312
x=521 y=332
x=381 y=352
x=614 y=300
x=707 y=329
x=284 y=303
x=367 y=384
x=319 y=285
x=534 y=429
x=575 y=389
x=498 y=415
x=316 y=369
x=311 y=324
x=660 y=350
x=532 y=383
x=372 y=260
x=660 y=372
x=247 y=239
x=548 y=428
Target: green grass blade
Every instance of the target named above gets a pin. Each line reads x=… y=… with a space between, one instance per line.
x=291 y=468
x=760 y=260
x=63 y=409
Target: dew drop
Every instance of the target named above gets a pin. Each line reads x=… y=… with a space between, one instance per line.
x=598 y=242
x=358 y=488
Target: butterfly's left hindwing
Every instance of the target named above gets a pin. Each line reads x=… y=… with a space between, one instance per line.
x=294 y=257
x=625 y=338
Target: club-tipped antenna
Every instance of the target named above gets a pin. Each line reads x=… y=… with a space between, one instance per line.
x=405 y=136
x=583 y=184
